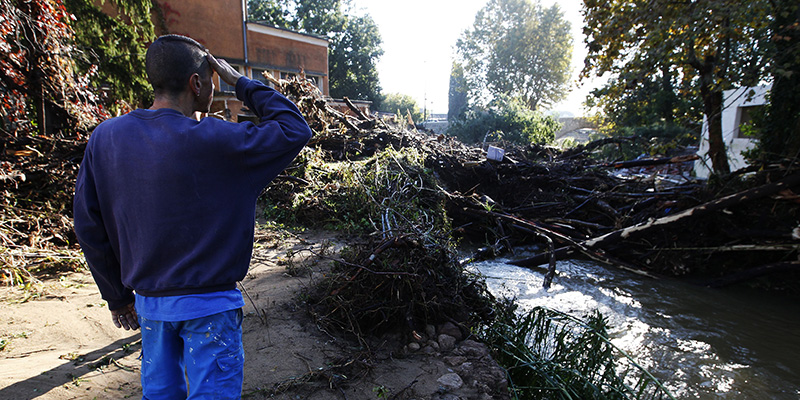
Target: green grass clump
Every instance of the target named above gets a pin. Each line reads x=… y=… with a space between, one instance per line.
x=553 y=355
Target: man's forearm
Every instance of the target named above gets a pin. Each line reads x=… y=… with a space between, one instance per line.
x=269 y=104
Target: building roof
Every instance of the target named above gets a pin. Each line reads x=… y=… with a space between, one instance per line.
x=267 y=29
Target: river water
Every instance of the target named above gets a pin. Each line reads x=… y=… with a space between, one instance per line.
x=701 y=343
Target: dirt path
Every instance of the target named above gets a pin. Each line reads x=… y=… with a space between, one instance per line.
x=59 y=343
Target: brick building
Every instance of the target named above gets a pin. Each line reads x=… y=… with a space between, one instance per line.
x=252 y=48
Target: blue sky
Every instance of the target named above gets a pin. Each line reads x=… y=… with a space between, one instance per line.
x=419 y=39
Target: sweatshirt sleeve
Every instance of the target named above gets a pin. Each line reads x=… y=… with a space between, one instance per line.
x=281 y=133
x=94 y=239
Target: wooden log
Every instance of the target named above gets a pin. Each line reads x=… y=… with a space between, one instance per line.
x=649 y=162
x=592 y=245
x=605 y=207
x=608 y=194
x=601 y=204
x=583 y=224
x=715 y=205
x=355 y=109
x=342 y=118
x=544 y=258
x=738 y=247
x=562 y=252
x=536 y=228
x=593 y=145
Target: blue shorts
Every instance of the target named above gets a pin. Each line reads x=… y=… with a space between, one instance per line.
x=202 y=358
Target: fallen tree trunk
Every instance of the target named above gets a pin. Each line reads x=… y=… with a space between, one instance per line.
x=543 y=258
x=355 y=109
x=598 y=255
x=738 y=247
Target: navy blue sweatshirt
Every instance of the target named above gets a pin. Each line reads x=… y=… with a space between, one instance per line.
x=165 y=205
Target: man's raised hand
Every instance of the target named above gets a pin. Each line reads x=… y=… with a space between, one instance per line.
x=227 y=73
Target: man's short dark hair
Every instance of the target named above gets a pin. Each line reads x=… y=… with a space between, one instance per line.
x=171 y=60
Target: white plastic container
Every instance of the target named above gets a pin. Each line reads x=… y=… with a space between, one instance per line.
x=495 y=153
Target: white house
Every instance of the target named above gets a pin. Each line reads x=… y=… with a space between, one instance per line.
x=738 y=105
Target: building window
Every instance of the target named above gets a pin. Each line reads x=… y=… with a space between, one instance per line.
x=258 y=74
x=224 y=87
x=316 y=80
x=745 y=127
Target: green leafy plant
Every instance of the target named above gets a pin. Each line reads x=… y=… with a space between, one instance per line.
x=507 y=119
x=381 y=392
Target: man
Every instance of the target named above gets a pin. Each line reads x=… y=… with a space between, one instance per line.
x=165 y=207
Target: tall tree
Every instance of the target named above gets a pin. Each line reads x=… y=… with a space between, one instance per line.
x=402 y=105
x=517 y=48
x=353 y=61
x=712 y=43
x=270 y=12
x=321 y=17
x=354 y=41
x=458 y=94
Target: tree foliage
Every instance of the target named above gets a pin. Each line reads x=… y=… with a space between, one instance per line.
x=57 y=55
x=505 y=118
x=660 y=109
x=658 y=99
x=712 y=44
x=516 y=48
x=353 y=61
x=270 y=12
x=115 y=47
x=402 y=105
x=38 y=72
x=779 y=132
x=354 y=40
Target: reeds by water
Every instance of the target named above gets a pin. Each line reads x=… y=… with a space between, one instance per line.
x=549 y=354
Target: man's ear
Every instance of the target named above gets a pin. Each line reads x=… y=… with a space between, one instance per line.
x=195 y=84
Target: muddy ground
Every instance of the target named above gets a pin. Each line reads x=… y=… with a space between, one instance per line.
x=59 y=342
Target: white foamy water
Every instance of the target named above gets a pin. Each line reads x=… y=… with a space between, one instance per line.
x=701 y=343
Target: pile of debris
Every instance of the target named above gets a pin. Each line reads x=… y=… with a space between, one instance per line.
x=37 y=176
x=403 y=283
x=575 y=205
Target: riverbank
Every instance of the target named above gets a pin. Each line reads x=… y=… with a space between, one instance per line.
x=701 y=343
x=59 y=342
